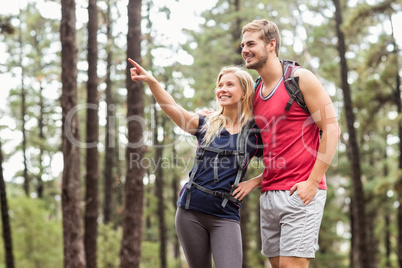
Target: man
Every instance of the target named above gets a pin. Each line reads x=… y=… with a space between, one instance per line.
x=296 y=157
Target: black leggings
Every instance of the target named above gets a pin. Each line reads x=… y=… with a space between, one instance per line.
x=201 y=234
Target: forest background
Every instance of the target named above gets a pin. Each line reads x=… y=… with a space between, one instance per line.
x=82 y=185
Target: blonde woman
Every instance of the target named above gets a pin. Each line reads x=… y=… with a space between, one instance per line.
x=207 y=217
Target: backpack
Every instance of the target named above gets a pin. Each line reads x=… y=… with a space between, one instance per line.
x=241 y=160
x=291 y=84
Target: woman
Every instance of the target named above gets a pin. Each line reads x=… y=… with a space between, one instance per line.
x=207 y=217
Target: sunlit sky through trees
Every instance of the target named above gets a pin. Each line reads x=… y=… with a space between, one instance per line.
x=185 y=14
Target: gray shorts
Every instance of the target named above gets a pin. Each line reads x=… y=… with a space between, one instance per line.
x=288 y=227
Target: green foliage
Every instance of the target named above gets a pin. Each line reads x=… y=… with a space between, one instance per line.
x=109 y=242
x=217 y=45
x=37 y=237
x=332 y=242
x=32 y=58
x=149 y=257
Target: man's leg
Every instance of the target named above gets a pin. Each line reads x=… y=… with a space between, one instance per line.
x=270 y=226
x=299 y=229
x=289 y=262
x=300 y=226
x=293 y=262
x=274 y=262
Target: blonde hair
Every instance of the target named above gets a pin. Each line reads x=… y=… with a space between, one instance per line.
x=268 y=31
x=216 y=121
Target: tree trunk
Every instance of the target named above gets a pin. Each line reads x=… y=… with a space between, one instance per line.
x=244 y=219
x=352 y=257
x=130 y=253
x=398 y=102
x=92 y=132
x=387 y=220
x=387 y=240
x=149 y=193
x=110 y=127
x=118 y=190
x=358 y=208
x=7 y=238
x=23 y=121
x=159 y=185
x=258 y=233
x=39 y=187
x=176 y=189
x=74 y=256
x=236 y=33
x=373 y=241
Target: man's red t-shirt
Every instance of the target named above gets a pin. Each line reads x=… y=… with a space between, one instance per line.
x=290 y=138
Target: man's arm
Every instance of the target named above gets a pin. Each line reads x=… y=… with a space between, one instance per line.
x=323 y=112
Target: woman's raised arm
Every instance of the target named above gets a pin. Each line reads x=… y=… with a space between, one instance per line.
x=184 y=119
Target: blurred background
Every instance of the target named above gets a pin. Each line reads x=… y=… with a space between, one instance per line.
x=353 y=47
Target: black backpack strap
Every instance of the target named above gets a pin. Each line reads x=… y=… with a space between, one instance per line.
x=292 y=85
x=257 y=82
x=241 y=157
x=241 y=161
x=198 y=159
x=219 y=194
x=219 y=152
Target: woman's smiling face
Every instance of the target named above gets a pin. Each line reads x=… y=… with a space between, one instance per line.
x=229 y=91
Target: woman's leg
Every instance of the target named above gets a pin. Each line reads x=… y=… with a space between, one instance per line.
x=226 y=243
x=194 y=238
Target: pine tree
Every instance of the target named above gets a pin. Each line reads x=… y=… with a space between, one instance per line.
x=92 y=132
x=5 y=218
x=74 y=255
x=130 y=253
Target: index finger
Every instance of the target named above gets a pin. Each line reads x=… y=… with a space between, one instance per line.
x=133 y=62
